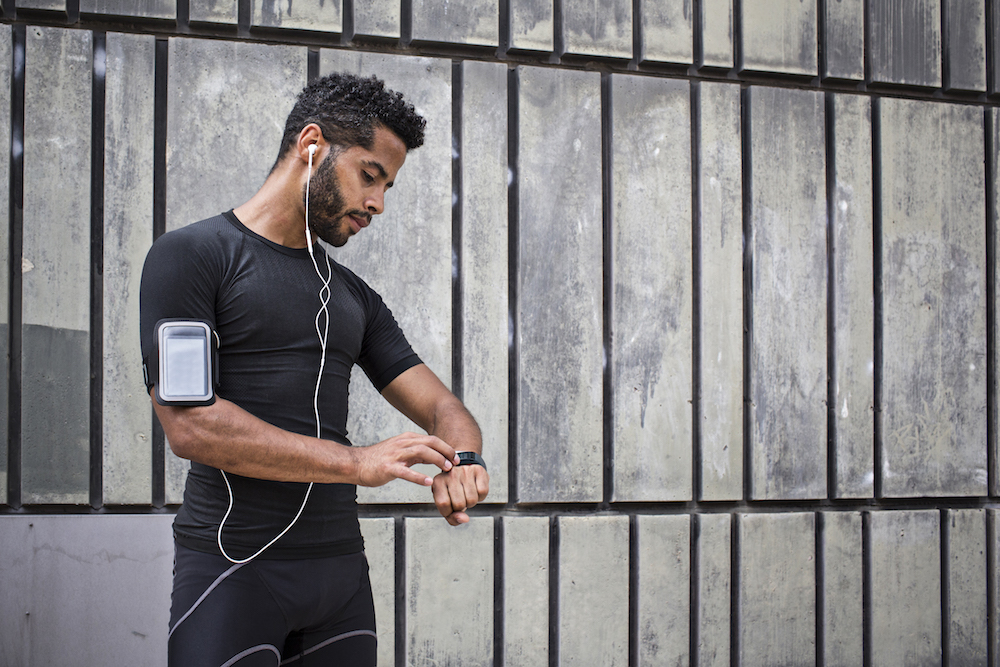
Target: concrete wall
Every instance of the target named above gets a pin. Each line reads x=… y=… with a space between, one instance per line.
x=718 y=279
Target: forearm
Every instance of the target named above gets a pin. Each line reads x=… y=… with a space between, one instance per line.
x=454 y=424
x=225 y=436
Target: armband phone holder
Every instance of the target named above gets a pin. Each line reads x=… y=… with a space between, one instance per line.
x=187 y=363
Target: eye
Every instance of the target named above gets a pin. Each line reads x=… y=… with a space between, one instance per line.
x=368 y=178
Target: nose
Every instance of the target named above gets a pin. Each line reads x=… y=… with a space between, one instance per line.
x=375 y=203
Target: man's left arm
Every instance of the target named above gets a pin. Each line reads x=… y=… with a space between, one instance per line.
x=421 y=396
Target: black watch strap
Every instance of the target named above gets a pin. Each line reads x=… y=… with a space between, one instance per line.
x=471 y=459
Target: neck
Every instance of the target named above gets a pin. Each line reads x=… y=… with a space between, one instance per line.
x=276 y=211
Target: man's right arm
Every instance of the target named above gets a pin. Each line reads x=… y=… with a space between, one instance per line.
x=225 y=436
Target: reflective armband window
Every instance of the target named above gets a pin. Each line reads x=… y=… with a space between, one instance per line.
x=187 y=363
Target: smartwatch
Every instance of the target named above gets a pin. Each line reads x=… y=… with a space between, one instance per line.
x=471 y=459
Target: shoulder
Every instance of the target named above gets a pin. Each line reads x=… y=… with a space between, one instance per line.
x=361 y=289
x=205 y=240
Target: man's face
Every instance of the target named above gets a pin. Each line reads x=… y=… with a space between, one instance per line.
x=349 y=188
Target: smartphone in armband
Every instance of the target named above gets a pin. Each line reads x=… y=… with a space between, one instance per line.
x=187 y=359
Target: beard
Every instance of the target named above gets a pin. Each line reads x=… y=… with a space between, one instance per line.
x=327 y=210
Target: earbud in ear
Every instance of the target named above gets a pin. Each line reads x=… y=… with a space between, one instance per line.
x=312 y=149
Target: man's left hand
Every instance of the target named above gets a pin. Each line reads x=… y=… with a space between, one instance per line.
x=458 y=490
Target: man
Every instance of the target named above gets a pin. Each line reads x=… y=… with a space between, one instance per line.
x=269 y=562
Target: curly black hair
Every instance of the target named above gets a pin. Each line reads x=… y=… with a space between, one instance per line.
x=348 y=108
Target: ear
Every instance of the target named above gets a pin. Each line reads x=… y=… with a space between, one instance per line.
x=311 y=135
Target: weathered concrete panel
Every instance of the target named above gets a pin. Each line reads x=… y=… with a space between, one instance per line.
x=380 y=550
x=484 y=270
x=175 y=470
x=214 y=11
x=716 y=33
x=788 y=360
x=664 y=591
x=779 y=36
x=843 y=589
x=378 y=18
x=559 y=289
x=219 y=93
x=593 y=590
x=319 y=15
x=844 y=44
x=777 y=589
x=905 y=41
x=598 y=28
x=70 y=589
x=449 y=592
x=147 y=9
x=532 y=25
x=853 y=297
x=55 y=361
x=993 y=52
x=967 y=583
x=934 y=285
x=6 y=45
x=906 y=588
x=667 y=31
x=128 y=233
x=966 y=31
x=52 y=5
x=720 y=199
x=406 y=255
x=653 y=290
x=714 y=535
x=526 y=591
x=475 y=22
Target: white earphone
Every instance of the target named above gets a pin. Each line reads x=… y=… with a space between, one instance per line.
x=324 y=299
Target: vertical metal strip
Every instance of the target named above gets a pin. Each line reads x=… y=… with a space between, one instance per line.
x=457 y=302
x=697 y=44
x=513 y=121
x=989 y=129
x=877 y=283
x=694 y=611
x=347 y=22
x=608 y=282
x=399 y=551
x=992 y=624
x=747 y=295
x=738 y=35
x=97 y=274
x=558 y=30
x=696 y=252
x=820 y=565
x=831 y=296
x=405 y=22
x=19 y=35
x=867 y=560
x=638 y=52
x=159 y=490
x=821 y=47
x=735 y=615
x=312 y=65
x=946 y=45
x=553 y=590
x=633 y=589
x=504 y=26
x=945 y=545
x=499 y=599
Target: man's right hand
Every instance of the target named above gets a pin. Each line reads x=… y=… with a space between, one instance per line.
x=393 y=459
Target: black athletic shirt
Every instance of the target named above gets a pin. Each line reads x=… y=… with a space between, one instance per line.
x=262 y=298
